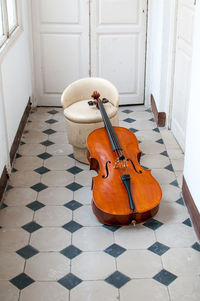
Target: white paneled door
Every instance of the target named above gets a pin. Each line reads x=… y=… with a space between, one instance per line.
x=182 y=75
x=118 y=35
x=79 y=38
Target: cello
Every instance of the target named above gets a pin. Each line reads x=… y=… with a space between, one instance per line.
x=123 y=191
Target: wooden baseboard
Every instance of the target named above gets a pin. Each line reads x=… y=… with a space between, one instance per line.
x=15 y=145
x=3 y=182
x=20 y=130
x=193 y=211
x=160 y=117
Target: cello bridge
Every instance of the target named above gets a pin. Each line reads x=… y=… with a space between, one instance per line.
x=121 y=163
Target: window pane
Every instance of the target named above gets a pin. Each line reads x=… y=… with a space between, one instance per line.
x=12 y=13
x=1 y=19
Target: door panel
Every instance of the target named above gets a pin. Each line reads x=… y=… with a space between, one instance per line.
x=118 y=35
x=61 y=46
x=78 y=38
x=183 y=61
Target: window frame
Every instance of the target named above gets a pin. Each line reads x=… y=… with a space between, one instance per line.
x=10 y=35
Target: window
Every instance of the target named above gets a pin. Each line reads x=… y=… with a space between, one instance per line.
x=8 y=19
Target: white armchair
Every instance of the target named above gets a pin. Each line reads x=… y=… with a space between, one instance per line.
x=82 y=119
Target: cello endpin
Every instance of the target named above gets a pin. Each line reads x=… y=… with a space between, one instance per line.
x=133 y=222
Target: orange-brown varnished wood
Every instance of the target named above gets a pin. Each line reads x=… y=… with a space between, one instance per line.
x=110 y=198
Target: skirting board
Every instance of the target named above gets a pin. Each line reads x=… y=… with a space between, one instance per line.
x=3 y=182
x=160 y=117
x=15 y=145
x=193 y=211
x=20 y=130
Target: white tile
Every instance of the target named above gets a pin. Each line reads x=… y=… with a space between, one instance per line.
x=53 y=216
x=171 y=213
x=182 y=261
x=185 y=289
x=49 y=266
x=144 y=289
x=88 y=265
x=139 y=264
x=138 y=237
x=8 y=292
x=176 y=235
x=41 y=291
x=92 y=238
x=92 y=291
x=86 y=216
x=50 y=239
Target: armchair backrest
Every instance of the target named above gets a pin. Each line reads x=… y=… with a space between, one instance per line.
x=82 y=89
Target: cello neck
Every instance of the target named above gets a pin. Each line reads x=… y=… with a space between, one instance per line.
x=109 y=128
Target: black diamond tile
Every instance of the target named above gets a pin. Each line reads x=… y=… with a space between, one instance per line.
x=3 y=206
x=148 y=110
x=9 y=187
x=47 y=143
x=156 y=130
x=74 y=186
x=35 y=205
x=70 y=281
x=174 y=183
x=144 y=167
x=115 y=250
x=165 y=277
x=39 y=187
x=29 y=121
x=71 y=156
x=27 y=252
x=26 y=132
x=44 y=156
x=153 y=224
x=22 y=143
x=74 y=170
x=180 y=201
x=111 y=228
x=152 y=119
x=14 y=169
x=21 y=281
x=42 y=170
x=31 y=227
x=127 y=111
x=18 y=156
x=187 y=222
x=71 y=252
x=158 y=248
x=117 y=279
x=129 y=120
x=49 y=132
x=169 y=167
x=51 y=121
x=72 y=226
x=164 y=154
x=133 y=130
x=160 y=141
x=53 y=112
x=73 y=205
x=196 y=246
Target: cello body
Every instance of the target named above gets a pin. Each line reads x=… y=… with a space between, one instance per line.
x=123 y=192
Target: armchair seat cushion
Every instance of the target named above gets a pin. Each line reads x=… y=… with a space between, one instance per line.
x=81 y=112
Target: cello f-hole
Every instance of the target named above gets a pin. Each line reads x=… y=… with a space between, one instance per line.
x=138 y=171
x=107 y=172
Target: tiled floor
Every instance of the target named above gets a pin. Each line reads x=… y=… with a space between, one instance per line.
x=53 y=248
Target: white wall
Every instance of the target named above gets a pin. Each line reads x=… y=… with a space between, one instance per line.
x=192 y=150
x=16 y=85
x=160 y=43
